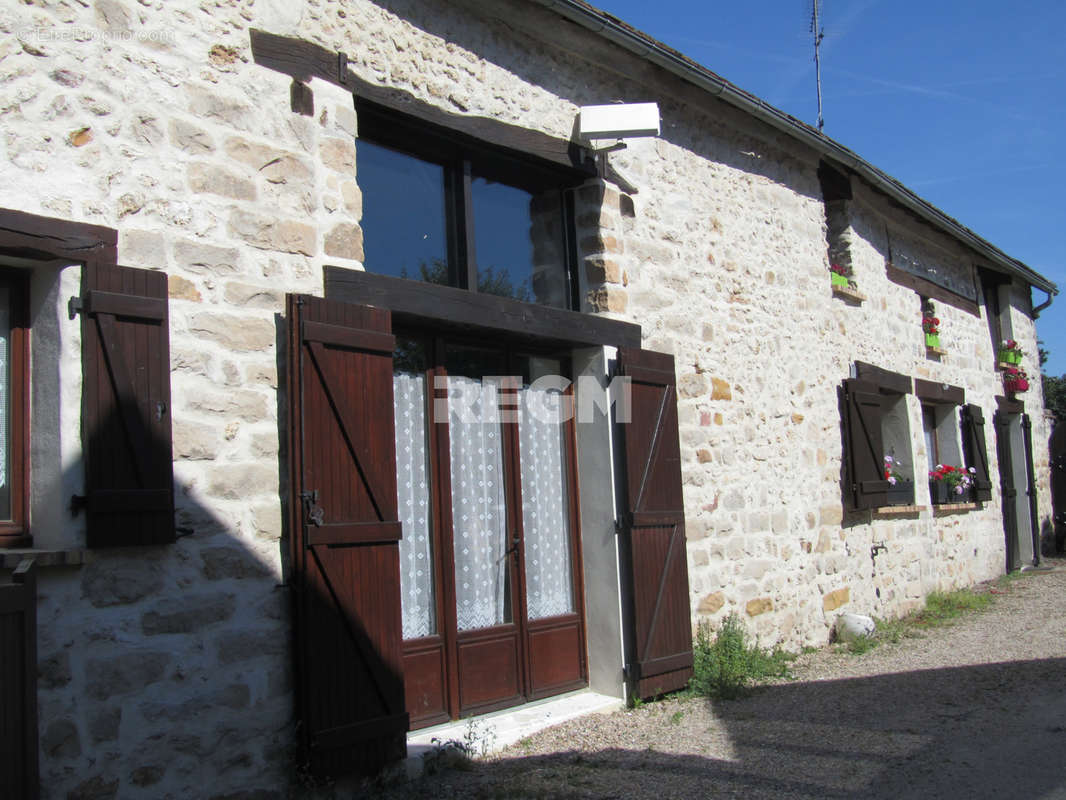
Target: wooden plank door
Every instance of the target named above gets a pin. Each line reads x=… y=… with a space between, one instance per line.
x=1058 y=483
x=18 y=685
x=345 y=537
x=655 y=562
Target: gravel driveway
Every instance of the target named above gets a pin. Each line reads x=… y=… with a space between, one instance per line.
x=975 y=709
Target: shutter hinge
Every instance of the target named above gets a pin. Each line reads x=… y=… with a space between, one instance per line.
x=342 y=68
x=315 y=512
x=78 y=502
x=74 y=306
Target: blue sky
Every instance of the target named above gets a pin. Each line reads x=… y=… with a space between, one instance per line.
x=963 y=102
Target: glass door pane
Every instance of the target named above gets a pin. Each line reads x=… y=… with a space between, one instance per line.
x=479 y=499
x=545 y=495
x=413 y=493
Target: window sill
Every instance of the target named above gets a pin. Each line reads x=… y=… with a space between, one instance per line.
x=10 y=558
x=848 y=293
x=953 y=508
x=897 y=511
x=936 y=351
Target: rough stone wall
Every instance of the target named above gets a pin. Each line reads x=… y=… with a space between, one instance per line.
x=165 y=670
x=724 y=265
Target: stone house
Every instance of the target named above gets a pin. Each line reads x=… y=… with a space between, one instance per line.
x=259 y=258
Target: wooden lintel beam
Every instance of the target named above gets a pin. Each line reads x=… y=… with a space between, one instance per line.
x=303 y=60
x=415 y=301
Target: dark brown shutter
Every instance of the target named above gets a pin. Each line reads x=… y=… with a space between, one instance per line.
x=1001 y=421
x=129 y=484
x=864 y=451
x=345 y=536
x=659 y=627
x=18 y=684
x=975 y=451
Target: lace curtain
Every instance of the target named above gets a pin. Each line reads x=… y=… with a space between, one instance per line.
x=416 y=552
x=545 y=504
x=479 y=519
x=479 y=506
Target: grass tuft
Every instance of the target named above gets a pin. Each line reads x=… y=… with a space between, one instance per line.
x=728 y=664
x=941 y=608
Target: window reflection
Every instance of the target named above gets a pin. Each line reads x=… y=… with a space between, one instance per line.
x=404 y=217
x=519 y=243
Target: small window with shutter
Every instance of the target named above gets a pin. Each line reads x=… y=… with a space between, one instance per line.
x=878 y=466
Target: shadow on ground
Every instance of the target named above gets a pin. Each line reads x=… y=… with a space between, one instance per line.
x=994 y=730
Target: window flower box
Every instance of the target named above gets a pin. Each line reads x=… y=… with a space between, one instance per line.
x=932 y=341
x=1015 y=380
x=1010 y=352
x=900 y=490
x=948 y=484
x=940 y=493
x=901 y=494
x=838 y=280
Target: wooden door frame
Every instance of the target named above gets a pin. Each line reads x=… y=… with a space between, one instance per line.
x=449 y=639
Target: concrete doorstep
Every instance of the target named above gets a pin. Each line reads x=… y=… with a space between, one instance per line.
x=489 y=733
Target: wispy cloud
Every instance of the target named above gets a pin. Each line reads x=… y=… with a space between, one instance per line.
x=835 y=34
x=982 y=173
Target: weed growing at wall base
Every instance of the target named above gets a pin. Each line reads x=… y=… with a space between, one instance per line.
x=940 y=608
x=728 y=664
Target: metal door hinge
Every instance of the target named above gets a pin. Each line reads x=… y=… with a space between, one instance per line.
x=74 y=306
x=315 y=512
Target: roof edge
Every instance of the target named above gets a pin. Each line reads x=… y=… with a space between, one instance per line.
x=659 y=54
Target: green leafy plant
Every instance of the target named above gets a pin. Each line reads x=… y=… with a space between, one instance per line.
x=727 y=664
x=857 y=645
x=941 y=607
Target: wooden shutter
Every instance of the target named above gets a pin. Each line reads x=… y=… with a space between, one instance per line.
x=864 y=451
x=129 y=484
x=345 y=536
x=976 y=453
x=1001 y=421
x=18 y=684
x=1030 y=489
x=659 y=627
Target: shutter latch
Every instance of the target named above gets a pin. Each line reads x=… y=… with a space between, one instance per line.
x=315 y=513
x=78 y=502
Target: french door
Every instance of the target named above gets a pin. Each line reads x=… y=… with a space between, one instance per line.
x=489 y=562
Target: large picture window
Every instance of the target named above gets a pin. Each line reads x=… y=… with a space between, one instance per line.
x=447 y=211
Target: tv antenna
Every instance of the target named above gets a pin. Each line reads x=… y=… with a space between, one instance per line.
x=819 y=34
